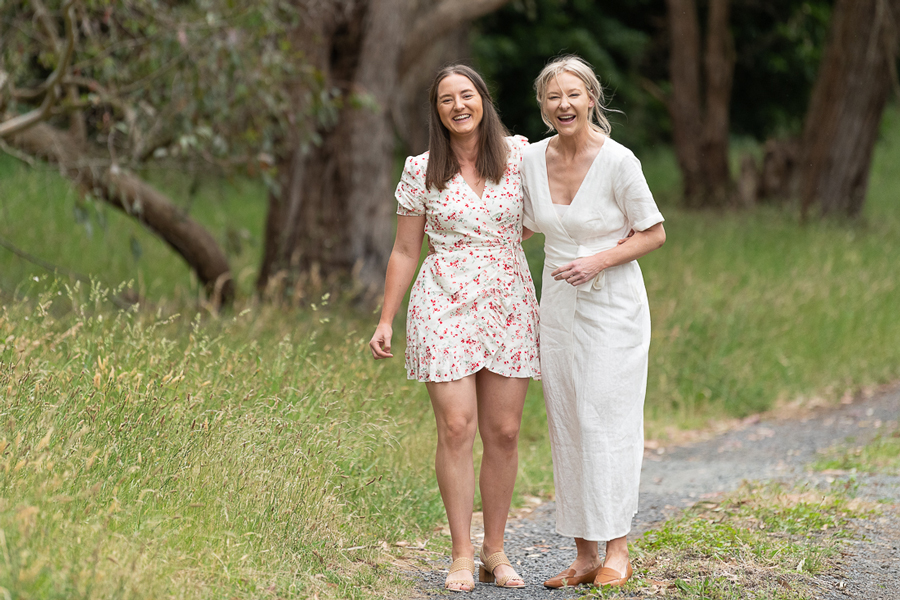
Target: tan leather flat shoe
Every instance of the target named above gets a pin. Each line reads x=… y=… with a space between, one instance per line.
x=570 y=577
x=608 y=576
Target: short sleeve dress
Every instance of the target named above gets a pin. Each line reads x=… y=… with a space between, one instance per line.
x=595 y=340
x=473 y=304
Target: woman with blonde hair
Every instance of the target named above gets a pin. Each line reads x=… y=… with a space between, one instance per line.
x=585 y=192
x=472 y=323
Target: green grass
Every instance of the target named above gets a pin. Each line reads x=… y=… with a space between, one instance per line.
x=881 y=455
x=148 y=456
x=42 y=215
x=751 y=307
x=262 y=452
x=763 y=541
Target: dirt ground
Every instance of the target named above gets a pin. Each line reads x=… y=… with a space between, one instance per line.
x=777 y=447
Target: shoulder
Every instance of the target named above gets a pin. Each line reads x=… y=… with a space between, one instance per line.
x=617 y=153
x=516 y=144
x=536 y=150
x=415 y=166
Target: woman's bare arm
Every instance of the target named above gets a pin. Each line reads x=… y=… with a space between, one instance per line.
x=400 y=271
x=584 y=269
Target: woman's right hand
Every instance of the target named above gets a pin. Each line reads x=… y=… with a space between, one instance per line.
x=380 y=344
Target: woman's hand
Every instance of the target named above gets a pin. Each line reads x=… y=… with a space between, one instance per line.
x=380 y=344
x=626 y=238
x=580 y=270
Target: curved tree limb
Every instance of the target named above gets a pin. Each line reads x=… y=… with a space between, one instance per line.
x=446 y=16
x=132 y=195
x=23 y=122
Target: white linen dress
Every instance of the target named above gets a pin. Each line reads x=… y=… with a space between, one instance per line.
x=473 y=304
x=594 y=341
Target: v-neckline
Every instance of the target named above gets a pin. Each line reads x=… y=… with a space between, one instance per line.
x=471 y=189
x=580 y=186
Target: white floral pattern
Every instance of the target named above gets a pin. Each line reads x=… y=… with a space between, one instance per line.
x=473 y=304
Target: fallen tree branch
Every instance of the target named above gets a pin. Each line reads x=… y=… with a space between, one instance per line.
x=135 y=197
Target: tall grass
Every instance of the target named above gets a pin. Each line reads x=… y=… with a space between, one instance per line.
x=42 y=215
x=151 y=457
x=752 y=307
x=146 y=454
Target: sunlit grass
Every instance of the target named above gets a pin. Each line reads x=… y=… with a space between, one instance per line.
x=763 y=541
x=149 y=456
x=881 y=455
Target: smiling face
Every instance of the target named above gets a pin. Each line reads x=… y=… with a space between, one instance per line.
x=459 y=105
x=567 y=104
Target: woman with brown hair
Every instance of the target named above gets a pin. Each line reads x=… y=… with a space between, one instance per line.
x=472 y=321
x=585 y=192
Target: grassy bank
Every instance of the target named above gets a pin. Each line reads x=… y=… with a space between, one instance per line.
x=150 y=457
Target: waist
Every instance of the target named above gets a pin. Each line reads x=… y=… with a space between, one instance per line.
x=560 y=252
x=478 y=246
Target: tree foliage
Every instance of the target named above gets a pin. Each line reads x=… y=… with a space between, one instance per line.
x=204 y=79
x=778 y=47
x=617 y=38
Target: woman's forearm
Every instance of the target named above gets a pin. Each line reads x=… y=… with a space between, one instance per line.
x=633 y=248
x=400 y=271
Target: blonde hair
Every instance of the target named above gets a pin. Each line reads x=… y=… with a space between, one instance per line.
x=583 y=71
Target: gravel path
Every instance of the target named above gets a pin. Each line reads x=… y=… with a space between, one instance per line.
x=675 y=478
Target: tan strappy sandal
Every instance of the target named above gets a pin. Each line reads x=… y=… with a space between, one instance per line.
x=489 y=564
x=460 y=564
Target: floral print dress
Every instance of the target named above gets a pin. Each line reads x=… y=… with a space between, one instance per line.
x=473 y=304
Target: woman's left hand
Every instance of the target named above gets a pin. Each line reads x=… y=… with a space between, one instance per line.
x=579 y=271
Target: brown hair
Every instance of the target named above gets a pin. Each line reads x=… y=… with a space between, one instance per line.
x=492 y=147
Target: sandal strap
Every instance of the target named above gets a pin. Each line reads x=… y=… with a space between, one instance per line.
x=502 y=581
x=495 y=560
x=462 y=564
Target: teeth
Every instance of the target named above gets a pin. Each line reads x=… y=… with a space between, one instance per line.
x=461 y=117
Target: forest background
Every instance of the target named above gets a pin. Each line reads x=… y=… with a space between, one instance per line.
x=195 y=213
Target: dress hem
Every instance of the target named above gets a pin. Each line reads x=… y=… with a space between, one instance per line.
x=536 y=375
x=598 y=538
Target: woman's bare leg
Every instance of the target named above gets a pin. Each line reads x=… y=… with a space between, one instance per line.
x=456 y=415
x=500 y=403
x=617 y=555
x=588 y=556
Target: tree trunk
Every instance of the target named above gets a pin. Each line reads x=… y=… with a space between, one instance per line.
x=129 y=193
x=699 y=108
x=847 y=103
x=332 y=211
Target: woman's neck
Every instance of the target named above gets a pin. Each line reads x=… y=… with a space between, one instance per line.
x=570 y=146
x=465 y=148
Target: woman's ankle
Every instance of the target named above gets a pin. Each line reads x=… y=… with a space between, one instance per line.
x=462 y=552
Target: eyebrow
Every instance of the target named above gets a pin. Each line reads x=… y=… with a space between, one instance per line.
x=448 y=95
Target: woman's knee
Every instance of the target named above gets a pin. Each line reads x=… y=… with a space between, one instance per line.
x=457 y=431
x=504 y=435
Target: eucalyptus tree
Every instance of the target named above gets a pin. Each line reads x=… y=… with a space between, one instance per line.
x=102 y=88
x=330 y=212
x=856 y=77
x=308 y=94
